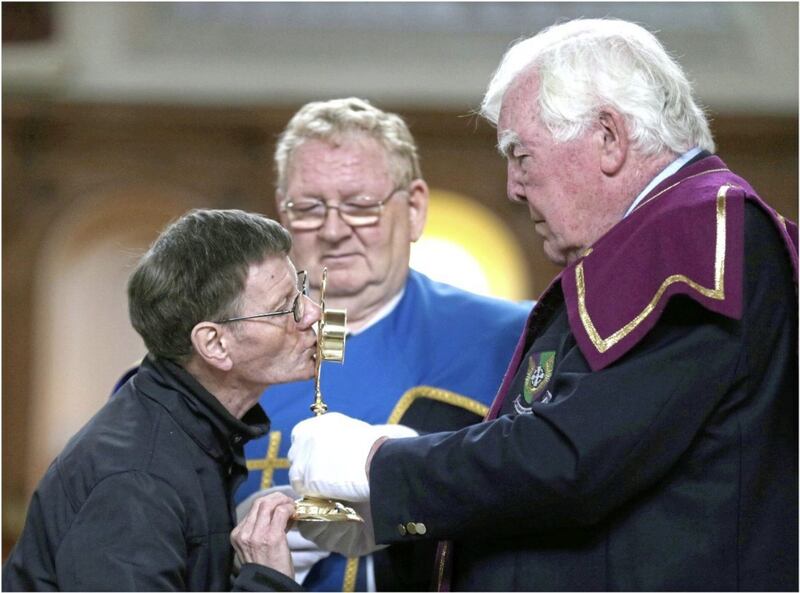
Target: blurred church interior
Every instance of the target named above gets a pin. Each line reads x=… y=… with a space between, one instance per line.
x=118 y=117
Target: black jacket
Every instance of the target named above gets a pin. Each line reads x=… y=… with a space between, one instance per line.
x=141 y=498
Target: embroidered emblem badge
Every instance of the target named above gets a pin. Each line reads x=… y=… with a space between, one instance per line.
x=540 y=369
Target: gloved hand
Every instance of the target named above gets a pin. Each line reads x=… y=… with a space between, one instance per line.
x=305 y=553
x=349 y=538
x=329 y=455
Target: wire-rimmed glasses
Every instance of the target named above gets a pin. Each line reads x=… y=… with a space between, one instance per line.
x=298 y=306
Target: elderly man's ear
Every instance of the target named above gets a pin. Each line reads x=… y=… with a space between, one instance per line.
x=211 y=344
x=417 y=207
x=612 y=134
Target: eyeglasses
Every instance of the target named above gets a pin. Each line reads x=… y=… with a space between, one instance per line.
x=309 y=214
x=298 y=307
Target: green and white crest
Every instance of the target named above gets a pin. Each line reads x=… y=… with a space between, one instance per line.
x=537 y=377
x=540 y=369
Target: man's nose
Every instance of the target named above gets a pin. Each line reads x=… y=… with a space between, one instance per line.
x=311 y=313
x=515 y=189
x=333 y=227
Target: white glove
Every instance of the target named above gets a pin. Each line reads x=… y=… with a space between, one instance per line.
x=329 y=455
x=348 y=538
x=305 y=553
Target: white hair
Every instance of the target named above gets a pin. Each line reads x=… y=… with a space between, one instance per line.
x=586 y=64
x=338 y=120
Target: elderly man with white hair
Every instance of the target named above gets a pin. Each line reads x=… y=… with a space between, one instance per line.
x=645 y=435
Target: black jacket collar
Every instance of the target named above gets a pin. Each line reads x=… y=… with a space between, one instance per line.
x=196 y=410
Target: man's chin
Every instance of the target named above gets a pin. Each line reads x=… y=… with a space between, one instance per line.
x=555 y=256
x=308 y=371
x=343 y=285
x=342 y=282
x=302 y=375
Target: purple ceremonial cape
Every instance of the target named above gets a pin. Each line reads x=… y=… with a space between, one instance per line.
x=685 y=237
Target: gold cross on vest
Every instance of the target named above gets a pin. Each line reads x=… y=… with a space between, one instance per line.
x=271 y=462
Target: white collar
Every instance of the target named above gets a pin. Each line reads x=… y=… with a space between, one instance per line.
x=668 y=170
x=382 y=312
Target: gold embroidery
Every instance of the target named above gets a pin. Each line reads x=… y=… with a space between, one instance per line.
x=436 y=394
x=717 y=293
x=350 y=574
x=271 y=462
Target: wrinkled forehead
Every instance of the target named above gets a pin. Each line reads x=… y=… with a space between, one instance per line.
x=274 y=267
x=274 y=277
x=351 y=156
x=350 y=142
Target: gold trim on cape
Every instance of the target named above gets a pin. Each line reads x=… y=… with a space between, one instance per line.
x=436 y=394
x=717 y=292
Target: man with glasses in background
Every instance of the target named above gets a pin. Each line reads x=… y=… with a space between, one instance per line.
x=419 y=353
x=141 y=499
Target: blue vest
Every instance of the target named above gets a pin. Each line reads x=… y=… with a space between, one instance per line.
x=439 y=337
